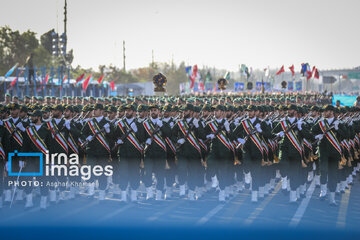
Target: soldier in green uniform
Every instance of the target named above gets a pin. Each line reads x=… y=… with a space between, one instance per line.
x=129 y=136
x=97 y=132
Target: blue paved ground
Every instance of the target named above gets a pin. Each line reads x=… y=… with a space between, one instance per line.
x=273 y=214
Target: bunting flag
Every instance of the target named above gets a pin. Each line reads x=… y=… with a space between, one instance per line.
x=316 y=74
x=86 y=82
x=292 y=69
x=306 y=70
x=80 y=78
x=46 y=78
x=208 y=77
x=112 y=85
x=13 y=82
x=100 y=79
x=281 y=70
x=11 y=70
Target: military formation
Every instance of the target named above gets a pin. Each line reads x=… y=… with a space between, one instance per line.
x=184 y=147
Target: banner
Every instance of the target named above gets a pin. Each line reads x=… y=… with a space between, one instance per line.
x=298 y=86
x=291 y=86
x=239 y=86
x=345 y=100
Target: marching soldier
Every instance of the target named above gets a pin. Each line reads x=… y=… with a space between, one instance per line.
x=186 y=134
x=129 y=136
x=97 y=132
x=155 y=160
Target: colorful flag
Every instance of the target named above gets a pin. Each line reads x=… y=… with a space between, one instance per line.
x=292 y=70
x=65 y=77
x=281 y=70
x=13 y=82
x=11 y=70
x=316 y=73
x=46 y=78
x=100 y=79
x=80 y=78
x=112 y=85
x=208 y=77
x=86 y=82
x=227 y=76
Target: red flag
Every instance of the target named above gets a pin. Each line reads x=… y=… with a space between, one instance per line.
x=112 y=85
x=193 y=76
x=100 y=79
x=292 y=70
x=65 y=77
x=86 y=83
x=80 y=78
x=13 y=82
x=281 y=70
x=46 y=78
x=316 y=74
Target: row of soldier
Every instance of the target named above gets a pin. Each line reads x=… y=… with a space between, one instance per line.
x=195 y=148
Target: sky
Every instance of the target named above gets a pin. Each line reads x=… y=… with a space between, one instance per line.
x=213 y=33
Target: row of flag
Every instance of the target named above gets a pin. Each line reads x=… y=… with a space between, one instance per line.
x=305 y=70
x=80 y=80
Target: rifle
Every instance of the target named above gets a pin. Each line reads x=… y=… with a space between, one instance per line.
x=191 y=126
x=246 y=138
x=128 y=131
x=218 y=131
x=153 y=133
x=84 y=144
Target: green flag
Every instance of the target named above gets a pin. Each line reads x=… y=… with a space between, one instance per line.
x=208 y=77
x=227 y=76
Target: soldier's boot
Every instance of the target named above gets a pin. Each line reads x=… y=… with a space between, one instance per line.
x=342 y=186
x=240 y=186
x=72 y=193
x=332 y=201
x=43 y=201
x=7 y=199
x=227 y=192
x=214 y=182
x=168 y=192
x=191 y=195
x=288 y=185
x=101 y=195
x=298 y=196
x=116 y=189
x=29 y=202
x=303 y=189
x=133 y=195
x=284 y=185
x=198 y=192
x=208 y=186
x=267 y=189
x=310 y=176
x=254 y=196
x=149 y=193
x=323 y=192
x=277 y=174
x=19 y=195
x=272 y=184
x=317 y=180
x=222 y=195
x=337 y=190
x=293 y=197
x=182 y=190
x=52 y=194
x=158 y=196
x=350 y=179
x=261 y=192
x=247 y=180
x=123 y=196
x=91 y=190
